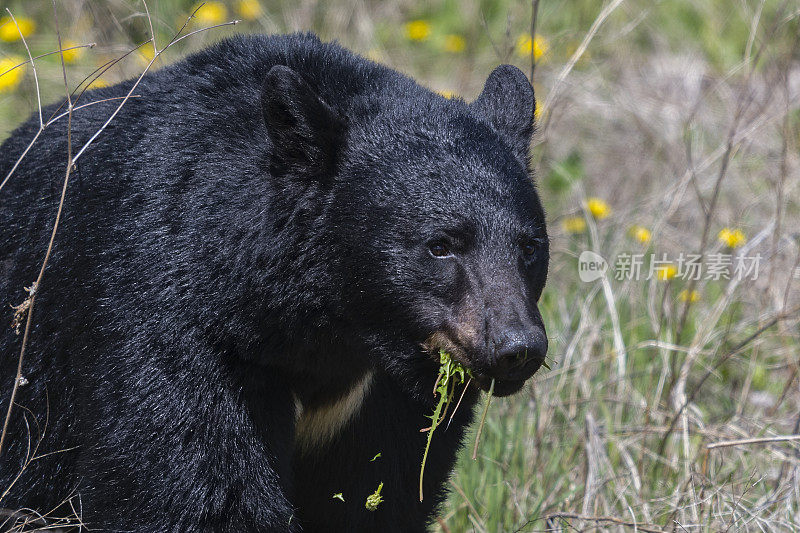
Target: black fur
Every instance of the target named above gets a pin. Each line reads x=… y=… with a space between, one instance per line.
x=252 y=231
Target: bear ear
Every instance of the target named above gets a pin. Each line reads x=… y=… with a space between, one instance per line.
x=508 y=105
x=306 y=133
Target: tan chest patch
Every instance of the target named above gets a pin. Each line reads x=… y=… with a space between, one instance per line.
x=317 y=426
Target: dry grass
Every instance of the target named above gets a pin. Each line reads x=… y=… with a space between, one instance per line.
x=632 y=429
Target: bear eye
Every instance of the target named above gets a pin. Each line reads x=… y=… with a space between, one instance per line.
x=528 y=249
x=439 y=249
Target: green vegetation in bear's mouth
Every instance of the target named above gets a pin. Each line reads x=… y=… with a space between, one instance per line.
x=451 y=373
x=374 y=499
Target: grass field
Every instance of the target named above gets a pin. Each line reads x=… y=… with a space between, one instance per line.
x=667 y=130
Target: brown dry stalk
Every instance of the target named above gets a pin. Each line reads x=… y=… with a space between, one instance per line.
x=38 y=283
x=71 y=160
x=738 y=348
x=605 y=519
x=573 y=60
x=721 y=175
x=534 y=18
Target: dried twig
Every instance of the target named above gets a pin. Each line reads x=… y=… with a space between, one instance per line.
x=576 y=56
x=534 y=18
x=38 y=283
x=71 y=160
x=605 y=519
x=737 y=349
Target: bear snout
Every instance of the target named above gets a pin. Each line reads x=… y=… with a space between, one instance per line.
x=519 y=355
x=510 y=354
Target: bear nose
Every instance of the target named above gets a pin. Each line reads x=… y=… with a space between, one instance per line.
x=520 y=354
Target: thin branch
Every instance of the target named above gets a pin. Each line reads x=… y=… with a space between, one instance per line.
x=604 y=519
x=38 y=282
x=71 y=160
x=534 y=19
x=601 y=18
x=33 y=66
x=136 y=84
x=738 y=348
x=90 y=45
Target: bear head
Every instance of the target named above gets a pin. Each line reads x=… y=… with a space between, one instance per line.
x=433 y=227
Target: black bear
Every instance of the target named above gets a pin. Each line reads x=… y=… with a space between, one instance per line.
x=258 y=262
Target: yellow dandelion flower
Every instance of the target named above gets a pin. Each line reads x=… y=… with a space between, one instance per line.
x=574 y=225
x=418 y=30
x=538 y=112
x=598 y=208
x=9 y=32
x=9 y=80
x=146 y=54
x=99 y=83
x=666 y=272
x=447 y=94
x=524 y=45
x=454 y=43
x=210 y=12
x=689 y=296
x=732 y=238
x=71 y=56
x=641 y=234
x=249 y=9
x=538 y=46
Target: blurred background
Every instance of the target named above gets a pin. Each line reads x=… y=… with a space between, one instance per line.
x=666 y=130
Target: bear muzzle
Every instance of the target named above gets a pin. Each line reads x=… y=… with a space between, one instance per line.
x=510 y=357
